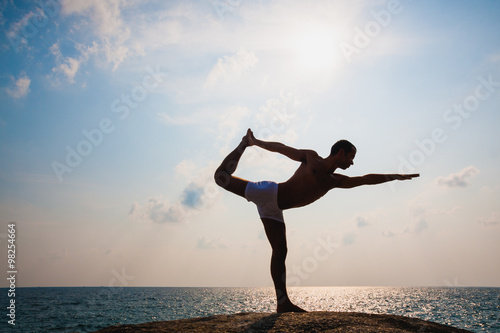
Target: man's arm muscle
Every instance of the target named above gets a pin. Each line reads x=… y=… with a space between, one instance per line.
x=342 y=181
x=290 y=152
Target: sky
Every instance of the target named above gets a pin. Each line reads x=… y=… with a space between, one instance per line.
x=115 y=114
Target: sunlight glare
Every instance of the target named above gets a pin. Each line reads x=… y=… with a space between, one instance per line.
x=315 y=49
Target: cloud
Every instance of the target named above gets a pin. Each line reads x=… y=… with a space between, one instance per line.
x=230 y=125
x=388 y=234
x=185 y=168
x=210 y=244
x=495 y=57
x=200 y=117
x=106 y=14
x=280 y=118
x=180 y=120
x=19 y=31
x=192 y=196
x=162 y=211
x=421 y=212
x=230 y=68
x=491 y=221
x=199 y=194
x=68 y=66
x=349 y=238
x=419 y=215
x=459 y=179
x=361 y=222
x=20 y=88
x=111 y=30
x=157 y=210
x=416 y=227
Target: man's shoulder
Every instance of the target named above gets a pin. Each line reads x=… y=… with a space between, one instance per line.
x=338 y=176
x=309 y=153
x=336 y=180
x=308 y=156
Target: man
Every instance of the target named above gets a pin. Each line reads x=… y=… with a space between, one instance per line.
x=313 y=179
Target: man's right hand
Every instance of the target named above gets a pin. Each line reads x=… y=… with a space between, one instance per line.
x=405 y=177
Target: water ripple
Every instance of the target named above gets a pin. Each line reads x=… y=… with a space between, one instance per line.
x=88 y=309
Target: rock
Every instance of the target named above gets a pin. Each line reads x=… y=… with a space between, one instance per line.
x=344 y=322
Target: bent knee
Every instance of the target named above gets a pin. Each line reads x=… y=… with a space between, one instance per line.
x=230 y=183
x=222 y=178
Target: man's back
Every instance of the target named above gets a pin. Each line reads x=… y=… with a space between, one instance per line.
x=312 y=180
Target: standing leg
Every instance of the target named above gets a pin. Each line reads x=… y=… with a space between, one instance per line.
x=224 y=173
x=276 y=234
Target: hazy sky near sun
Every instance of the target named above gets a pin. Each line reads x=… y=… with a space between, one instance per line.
x=116 y=113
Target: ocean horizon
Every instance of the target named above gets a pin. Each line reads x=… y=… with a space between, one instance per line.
x=86 y=309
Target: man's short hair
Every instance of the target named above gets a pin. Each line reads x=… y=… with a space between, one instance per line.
x=342 y=144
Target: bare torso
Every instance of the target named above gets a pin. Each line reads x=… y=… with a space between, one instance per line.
x=311 y=181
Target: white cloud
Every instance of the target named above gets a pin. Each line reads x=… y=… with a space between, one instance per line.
x=19 y=31
x=68 y=66
x=106 y=14
x=349 y=238
x=419 y=214
x=230 y=68
x=111 y=30
x=491 y=221
x=210 y=244
x=179 y=120
x=495 y=57
x=416 y=227
x=230 y=125
x=20 y=88
x=201 y=117
x=459 y=179
x=388 y=234
x=361 y=222
x=200 y=194
x=185 y=168
x=279 y=118
x=157 y=210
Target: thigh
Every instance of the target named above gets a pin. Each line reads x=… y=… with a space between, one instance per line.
x=237 y=186
x=276 y=233
x=230 y=183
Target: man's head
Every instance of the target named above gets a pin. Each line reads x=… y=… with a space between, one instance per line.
x=346 y=152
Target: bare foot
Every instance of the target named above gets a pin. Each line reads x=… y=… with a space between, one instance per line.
x=289 y=307
x=249 y=139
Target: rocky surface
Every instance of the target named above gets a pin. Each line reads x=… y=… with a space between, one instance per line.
x=345 y=322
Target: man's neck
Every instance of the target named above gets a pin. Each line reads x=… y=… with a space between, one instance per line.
x=331 y=163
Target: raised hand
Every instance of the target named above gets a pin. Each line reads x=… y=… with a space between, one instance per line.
x=405 y=177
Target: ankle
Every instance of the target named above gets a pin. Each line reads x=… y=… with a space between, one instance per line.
x=242 y=146
x=289 y=307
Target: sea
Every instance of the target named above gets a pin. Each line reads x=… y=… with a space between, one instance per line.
x=87 y=309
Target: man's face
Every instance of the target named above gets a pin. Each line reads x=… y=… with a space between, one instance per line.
x=348 y=159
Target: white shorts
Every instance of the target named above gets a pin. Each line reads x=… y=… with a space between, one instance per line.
x=265 y=196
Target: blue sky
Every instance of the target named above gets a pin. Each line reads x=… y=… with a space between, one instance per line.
x=116 y=113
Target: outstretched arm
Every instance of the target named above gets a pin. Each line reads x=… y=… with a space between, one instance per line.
x=371 y=179
x=277 y=147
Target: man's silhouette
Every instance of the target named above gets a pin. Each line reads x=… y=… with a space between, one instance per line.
x=313 y=179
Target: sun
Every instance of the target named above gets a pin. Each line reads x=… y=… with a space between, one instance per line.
x=315 y=49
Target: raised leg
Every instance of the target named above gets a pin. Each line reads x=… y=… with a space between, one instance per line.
x=276 y=234
x=224 y=173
